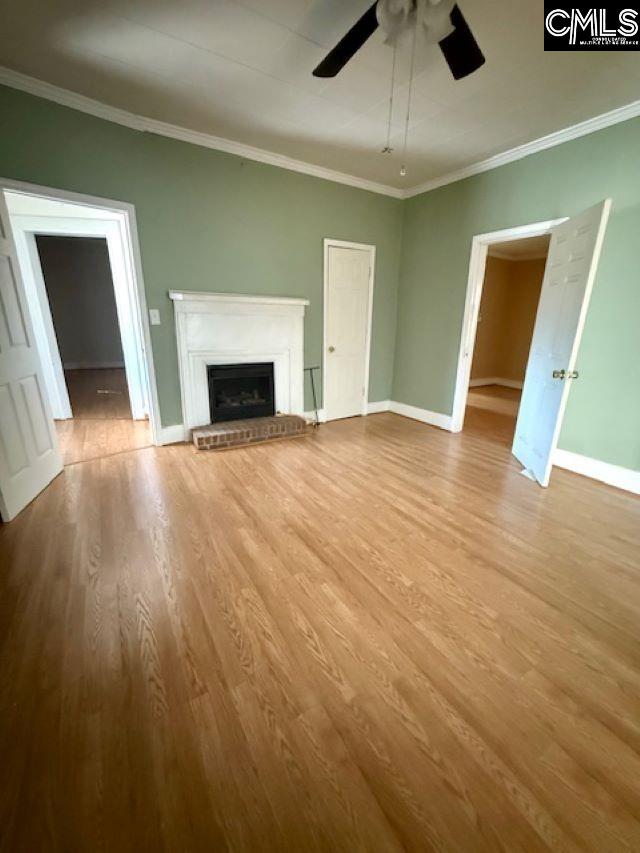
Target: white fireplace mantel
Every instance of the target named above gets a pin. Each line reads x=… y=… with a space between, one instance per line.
x=225 y=328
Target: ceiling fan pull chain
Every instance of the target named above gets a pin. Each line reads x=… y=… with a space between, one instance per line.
x=387 y=148
x=403 y=167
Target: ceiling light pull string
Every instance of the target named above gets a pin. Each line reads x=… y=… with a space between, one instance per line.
x=387 y=148
x=403 y=167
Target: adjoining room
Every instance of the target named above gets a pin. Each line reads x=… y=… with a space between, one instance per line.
x=506 y=318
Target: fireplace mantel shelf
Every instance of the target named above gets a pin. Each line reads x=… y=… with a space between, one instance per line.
x=204 y=296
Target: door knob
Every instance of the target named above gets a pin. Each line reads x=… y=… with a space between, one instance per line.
x=332 y=349
x=565 y=374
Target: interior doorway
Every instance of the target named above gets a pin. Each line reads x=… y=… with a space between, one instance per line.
x=572 y=260
x=77 y=269
x=504 y=327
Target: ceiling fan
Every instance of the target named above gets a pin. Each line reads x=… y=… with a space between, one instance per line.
x=440 y=21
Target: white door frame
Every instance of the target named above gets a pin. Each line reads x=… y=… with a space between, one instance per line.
x=477 y=265
x=44 y=332
x=25 y=228
x=129 y=271
x=329 y=242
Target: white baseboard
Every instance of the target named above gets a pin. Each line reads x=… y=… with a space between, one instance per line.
x=311 y=416
x=378 y=406
x=613 y=475
x=173 y=434
x=496 y=380
x=92 y=365
x=372 y=409
x=427 y=417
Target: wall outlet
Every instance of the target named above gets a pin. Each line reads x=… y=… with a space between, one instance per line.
x=154 y=316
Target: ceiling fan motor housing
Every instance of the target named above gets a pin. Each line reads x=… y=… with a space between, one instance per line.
x=432 y=18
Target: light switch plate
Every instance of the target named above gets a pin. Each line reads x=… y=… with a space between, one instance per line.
x=154 y=316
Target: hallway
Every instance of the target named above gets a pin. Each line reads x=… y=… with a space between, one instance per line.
x=101 y=423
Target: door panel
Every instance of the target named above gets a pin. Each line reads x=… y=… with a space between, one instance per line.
x=13 y=333
x=29 y=455
x=347 y=317
x=37 y=414
x=11 y=437
x=571 y=266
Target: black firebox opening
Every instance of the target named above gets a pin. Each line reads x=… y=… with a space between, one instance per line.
x=240 y=391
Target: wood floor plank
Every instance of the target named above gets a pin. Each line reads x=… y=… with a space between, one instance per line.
x=378 y=638
x=101 y=424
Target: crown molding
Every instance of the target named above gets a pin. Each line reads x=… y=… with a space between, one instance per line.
x=583 y=128
x=67 y=98
x=33 y=86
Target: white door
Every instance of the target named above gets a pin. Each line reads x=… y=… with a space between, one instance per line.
x=347 y=305
x=566 y=288
x=29 y=454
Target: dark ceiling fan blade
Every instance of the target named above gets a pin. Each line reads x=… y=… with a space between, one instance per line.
x=460 y=48
x=348 y=45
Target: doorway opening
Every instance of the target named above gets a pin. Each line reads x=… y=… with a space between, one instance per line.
x=504 y=329
x=77 y=265
x=569 y=273
x=480 y=249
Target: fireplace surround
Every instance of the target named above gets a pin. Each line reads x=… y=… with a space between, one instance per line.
x=225 y=329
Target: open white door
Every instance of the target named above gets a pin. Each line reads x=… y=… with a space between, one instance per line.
x=29 y=454
x=568 y=280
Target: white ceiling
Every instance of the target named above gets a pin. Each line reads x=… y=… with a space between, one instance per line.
x=520 y=250
x=241 y=69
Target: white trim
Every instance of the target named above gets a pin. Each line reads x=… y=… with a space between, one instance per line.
x=207 y=296
x=110 y=227
x=33 y=86
x=127 y=217
x=92 y=365
x=436 y=419
x=329 y=243
x=372 y=409
x=477 y=263
x=496 y=380
x=612 y=475
x=173 y=434
x=311 y=416
x=378 y=406
x=41 y=320
x=574 y=131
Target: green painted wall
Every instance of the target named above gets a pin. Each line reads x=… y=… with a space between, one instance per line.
x=603 y=413
x=210 y=221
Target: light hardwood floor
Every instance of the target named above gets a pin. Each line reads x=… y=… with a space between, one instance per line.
x=379 y=637
x=495 y=398
x=101 y=423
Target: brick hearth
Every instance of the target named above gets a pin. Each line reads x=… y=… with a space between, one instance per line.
x=249 y=431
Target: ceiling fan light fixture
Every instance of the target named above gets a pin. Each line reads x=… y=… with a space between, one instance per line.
x=439 y=21
x=431 y=17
